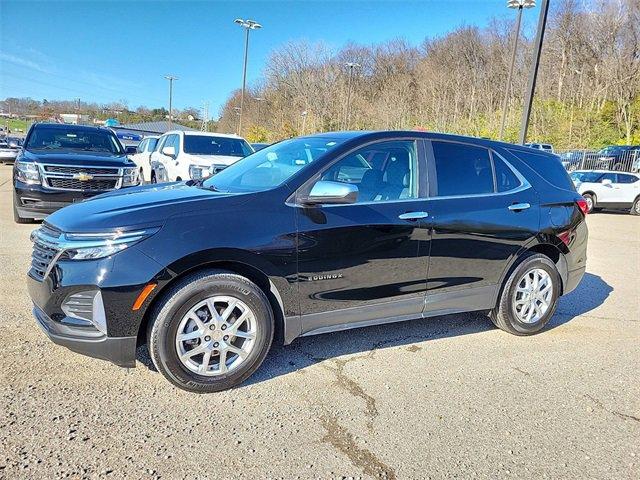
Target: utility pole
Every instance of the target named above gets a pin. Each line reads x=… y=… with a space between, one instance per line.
x=205 y=118
x=347 y=120
x=247 y=25
x=171 y=78
x=520 y=5
x=531 y=87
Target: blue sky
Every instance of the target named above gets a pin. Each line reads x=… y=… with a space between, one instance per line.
x=112 y=50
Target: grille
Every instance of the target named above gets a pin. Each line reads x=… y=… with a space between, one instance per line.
x=41 y=257
x=74 y=170
x=73 y=184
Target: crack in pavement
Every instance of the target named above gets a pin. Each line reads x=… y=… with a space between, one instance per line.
x=342 y=440
x=624 y=416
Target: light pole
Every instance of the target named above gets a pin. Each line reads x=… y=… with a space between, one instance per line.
x=347 y=116
x=520 y=5
x=171 y=78
x=247 y=25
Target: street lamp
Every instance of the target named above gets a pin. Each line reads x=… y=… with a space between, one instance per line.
x=247 y=25
x=520 y=5
x=171 y=78
x=350 y=66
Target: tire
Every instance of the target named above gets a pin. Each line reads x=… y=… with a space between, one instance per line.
x=505 y=315
x=16 y=216
x=168 y=319
x=590 y=198
x=635 y=208
x=153 y=177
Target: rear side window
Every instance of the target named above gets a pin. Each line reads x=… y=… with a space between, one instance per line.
x=505 y=178
x=548 y=167
x=624 y=178
x=462 y=169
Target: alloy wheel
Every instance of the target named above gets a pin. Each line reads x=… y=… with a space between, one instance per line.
x=216 y=335
x=533 y=296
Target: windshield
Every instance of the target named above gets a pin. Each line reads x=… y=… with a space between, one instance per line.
x=612 y=150
x=586 y=177
x=271 y=166
x=208 y=145
x=56 y=138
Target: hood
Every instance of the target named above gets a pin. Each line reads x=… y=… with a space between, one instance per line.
x=80 y=159
x=208 y=160
x=149 y=205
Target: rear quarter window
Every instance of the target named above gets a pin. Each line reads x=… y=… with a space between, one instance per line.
x=548 y=167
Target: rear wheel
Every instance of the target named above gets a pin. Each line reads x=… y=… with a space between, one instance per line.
x=591 y=201
x=211 y=332
x=153 y=177
x=529 y=297
x=635 y=209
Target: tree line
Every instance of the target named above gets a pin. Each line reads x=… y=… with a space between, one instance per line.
x=587 y=96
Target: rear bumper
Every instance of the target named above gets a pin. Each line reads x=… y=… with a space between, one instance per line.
x=88 y=341
x=573 y=279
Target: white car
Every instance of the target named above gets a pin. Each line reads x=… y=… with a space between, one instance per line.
x=186 y=155
x=607 y=189
x=541 y=146
x=142 y=157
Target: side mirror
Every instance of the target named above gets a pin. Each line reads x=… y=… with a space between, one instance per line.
x=130 y=150
x=169 y=151
x=606 y=182
x=334 y=193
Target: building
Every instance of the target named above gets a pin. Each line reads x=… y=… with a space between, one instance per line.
x=133 y=133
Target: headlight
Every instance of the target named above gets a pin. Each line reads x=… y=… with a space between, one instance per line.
x=197 y=172
x=130 y=177
x=27 y=172
x=90 y=246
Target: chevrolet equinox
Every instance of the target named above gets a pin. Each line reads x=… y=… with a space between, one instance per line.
x=310 y=235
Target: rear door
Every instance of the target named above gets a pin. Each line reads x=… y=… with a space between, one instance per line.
x=482 y=211
x=626 y=188
x=366 y=261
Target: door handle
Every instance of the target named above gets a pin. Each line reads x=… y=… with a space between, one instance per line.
x=413 y=216
x=516 y=207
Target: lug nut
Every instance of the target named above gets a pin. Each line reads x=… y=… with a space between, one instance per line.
x=224 y=327
x=226 y=337
x=215 y=345
x=207 y=338
x=212 y=327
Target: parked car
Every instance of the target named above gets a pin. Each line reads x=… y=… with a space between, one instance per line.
x=607 y=189
x=9 y=148
x=545 y=147
x=63 y=164
x=142 y=156
x=307 y=236
x=259 y=146
x=616 y=157
x=181 y=155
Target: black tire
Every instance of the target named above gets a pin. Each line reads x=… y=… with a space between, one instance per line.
x=153 y=177
x=167 y=314
x=635 y=208
x=16 y=216
x=591 y=200
x=503 y=315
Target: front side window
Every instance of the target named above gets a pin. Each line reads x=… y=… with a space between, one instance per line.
x=151 y=144
x=586 y=177
x=210 y=145
x=86 y=140
x=462 y=169
x=141 y=146
x=272 y=166
x=160 y=145
x=384 y=171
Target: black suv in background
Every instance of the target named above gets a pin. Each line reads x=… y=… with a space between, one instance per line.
x=62 y=164
x=307 y=236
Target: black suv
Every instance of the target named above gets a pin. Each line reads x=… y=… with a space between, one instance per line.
x=62 y=164
x=307 y=236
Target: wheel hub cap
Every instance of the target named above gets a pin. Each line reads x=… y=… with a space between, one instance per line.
x=216 y=335
x=533 y=296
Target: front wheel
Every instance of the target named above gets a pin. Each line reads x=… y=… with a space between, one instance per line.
x=212 y=330
x=635 y=209
x=591 y=201
x=529 y=297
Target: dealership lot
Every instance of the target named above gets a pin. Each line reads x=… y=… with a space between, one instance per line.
x=448 y=396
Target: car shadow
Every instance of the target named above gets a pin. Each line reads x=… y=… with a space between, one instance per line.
x=306 y=351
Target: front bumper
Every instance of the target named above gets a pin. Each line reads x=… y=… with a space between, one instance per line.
x=8 y=155
x=35 y=201
x=118 y=350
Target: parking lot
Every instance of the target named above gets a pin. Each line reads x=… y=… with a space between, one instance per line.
x=443 y=397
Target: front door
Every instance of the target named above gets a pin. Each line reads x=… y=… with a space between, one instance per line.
x=368 y=260
x=481 y=210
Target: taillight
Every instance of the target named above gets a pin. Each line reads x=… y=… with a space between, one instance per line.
x=582 y=204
